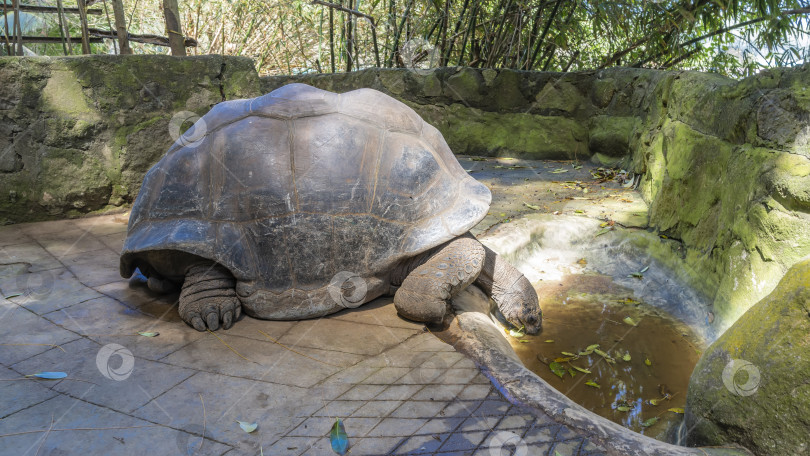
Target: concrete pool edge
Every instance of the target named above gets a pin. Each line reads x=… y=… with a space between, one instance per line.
x=521 y=386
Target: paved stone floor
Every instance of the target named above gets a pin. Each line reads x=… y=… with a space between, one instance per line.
x=398 y=388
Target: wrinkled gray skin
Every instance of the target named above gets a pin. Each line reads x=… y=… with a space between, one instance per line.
x=301 y=203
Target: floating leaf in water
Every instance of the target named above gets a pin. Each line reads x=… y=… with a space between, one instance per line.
x=578 y=211
x=148 y=334
x=654 y=401
x=592 y=383
x=584 y=371
x=531 y=206
x=630 y=321
x=557 y=368
x=676 y=410
x=13 y=295
x=478 y=159
x=601 y=353
x=247 y=427
x=626 y=357
x=339 y=438
x=649 y=422
x=592 y=347
x=572 y=372
x=562 y=360
x=603 y=231
x=517 y=333
x=576 y=165
x=559 y=170
x=549 y=341
x=623 y=408
x=568 y=354
x=647 y=361
x=523 y=341
x=49 y=375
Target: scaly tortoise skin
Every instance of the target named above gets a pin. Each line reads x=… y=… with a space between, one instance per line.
x=302 y=202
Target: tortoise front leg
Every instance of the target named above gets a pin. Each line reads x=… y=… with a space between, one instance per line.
x=425 y=292
x=512 y=292
x=208 y=296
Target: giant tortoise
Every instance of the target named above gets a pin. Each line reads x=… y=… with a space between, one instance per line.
x=303 y=202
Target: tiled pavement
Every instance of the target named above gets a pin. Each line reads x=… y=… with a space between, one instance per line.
x=397 y=387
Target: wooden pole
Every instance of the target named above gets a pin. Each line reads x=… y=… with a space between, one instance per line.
x=5 y=30
x=17 y=27
x=62 y=31
x=173 y=29
x=83 y=18
x=121 y=26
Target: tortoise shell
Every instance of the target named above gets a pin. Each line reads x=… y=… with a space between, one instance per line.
x=290 y=188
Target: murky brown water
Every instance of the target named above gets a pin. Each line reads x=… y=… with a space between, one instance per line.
x=585 y=310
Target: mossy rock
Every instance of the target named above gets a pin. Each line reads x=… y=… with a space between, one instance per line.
x=751 y=386
x=475 y=132
x=465 y=86
x=80 y=132
x=610 y=135
x=558 y=95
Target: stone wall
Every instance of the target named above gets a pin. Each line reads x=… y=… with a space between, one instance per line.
x=723 y=164
x=77 y=134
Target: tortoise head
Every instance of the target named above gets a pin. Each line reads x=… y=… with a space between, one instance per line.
x=521 y=306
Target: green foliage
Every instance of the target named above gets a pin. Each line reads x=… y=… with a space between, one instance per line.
x=732 y=37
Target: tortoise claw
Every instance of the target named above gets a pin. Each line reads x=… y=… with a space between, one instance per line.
x=212 y=319
x=227 y=320
x=197 y=323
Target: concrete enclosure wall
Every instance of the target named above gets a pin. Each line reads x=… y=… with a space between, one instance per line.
x=723 y=164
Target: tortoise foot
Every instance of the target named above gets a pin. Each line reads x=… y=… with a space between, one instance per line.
x=209 y=297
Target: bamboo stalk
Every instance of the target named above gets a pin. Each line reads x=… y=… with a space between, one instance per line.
x=352 y=12
x=121 y=26
x=543 y=35
x=395 y=47
x=17 y=27
x=83 y=19
x=5 y=30
x=174 y=30
x=332 y=39
x=62 y=32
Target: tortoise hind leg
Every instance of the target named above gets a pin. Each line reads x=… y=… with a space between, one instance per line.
x=425 y=292
x=208 y=297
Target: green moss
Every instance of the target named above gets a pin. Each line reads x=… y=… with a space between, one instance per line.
x=464 y=86
x=63 y=95
x=559 y=95
x=476 y=132
x=610 y=135
x=773 y=337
